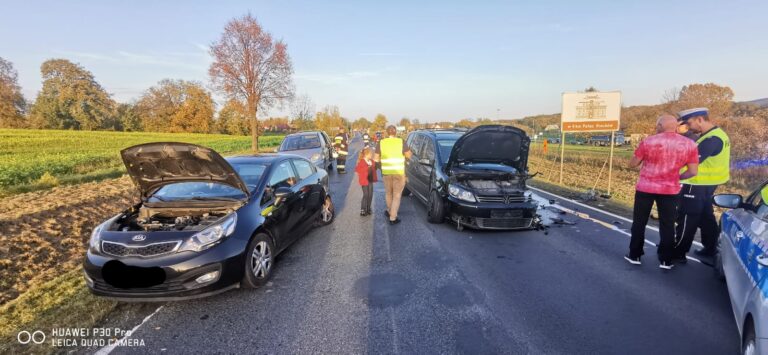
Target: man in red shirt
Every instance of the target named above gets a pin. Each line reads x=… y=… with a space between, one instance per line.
x=662 y=156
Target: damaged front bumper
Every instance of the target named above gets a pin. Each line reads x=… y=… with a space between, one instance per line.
x=493 y=215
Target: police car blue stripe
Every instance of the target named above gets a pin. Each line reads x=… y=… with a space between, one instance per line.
x=748 y=251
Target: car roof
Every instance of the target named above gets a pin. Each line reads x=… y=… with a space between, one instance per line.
x=261 y=158
x=303 y=133
x=442 y=134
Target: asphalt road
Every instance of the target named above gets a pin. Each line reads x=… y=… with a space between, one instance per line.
x=363 y=286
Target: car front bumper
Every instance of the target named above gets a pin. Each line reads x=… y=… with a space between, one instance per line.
x=165 y=278
x=498 y=216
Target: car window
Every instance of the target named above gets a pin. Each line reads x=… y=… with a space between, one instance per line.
x=301 y=141
x=445 y=146
x=250 y=173
x=428 y=150
x=282 y=176
x=416 y=145
x=304 y=168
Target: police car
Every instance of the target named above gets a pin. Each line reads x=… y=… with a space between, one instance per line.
x=743 y=262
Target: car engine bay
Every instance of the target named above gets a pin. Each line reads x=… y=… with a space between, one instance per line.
x=151 y=219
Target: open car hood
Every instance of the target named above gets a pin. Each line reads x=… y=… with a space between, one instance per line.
x=494 y=144
x=153 y=165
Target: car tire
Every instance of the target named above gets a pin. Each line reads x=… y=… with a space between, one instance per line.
x=327 y=213
x=749 y=343
x=259 y=261
x=435 y=208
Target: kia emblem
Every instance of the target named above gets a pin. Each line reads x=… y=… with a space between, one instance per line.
x=139 y=237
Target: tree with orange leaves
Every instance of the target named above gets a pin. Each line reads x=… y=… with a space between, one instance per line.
x=250 y=67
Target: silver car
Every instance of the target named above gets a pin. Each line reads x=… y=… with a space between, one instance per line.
x=313 y=145
x=743 y=263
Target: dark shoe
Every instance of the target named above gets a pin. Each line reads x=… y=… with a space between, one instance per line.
x=363 y=213
x=386 y=213
x=680 y=260
x=396 y=221
x=633 y=261
x=705 y=252
x=666 y=265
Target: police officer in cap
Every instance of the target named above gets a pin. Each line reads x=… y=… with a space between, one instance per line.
x=695 y=207
x=340 y=143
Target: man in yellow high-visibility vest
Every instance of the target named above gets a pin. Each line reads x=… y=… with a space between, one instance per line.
x=392 y=152
x=695 y=207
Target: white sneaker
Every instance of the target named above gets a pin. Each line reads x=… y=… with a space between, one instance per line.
x=666 y=265
x=635 y=261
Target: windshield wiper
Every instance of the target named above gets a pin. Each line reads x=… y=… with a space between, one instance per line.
x=219 y=198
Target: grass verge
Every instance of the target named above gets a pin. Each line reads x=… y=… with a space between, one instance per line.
x=62 y=302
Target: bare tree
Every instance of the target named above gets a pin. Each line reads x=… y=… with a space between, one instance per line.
x=302 y=111
x=250 y=67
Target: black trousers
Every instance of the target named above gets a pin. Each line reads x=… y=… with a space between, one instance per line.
x=695 y=211
x=341 y=162
x=365 y=204
x=666 y=206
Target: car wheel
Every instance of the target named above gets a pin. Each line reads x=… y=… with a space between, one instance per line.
x=327 y=213
x=259 y=261
x=749 y=345
x=436 y=211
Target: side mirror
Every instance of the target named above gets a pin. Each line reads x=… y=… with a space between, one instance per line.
x=282 y=193
x=727 y=200
x=425 y=161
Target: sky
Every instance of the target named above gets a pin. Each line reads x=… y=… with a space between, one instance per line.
x=426 y=60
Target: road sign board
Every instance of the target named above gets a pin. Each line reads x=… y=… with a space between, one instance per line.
x=591 y=112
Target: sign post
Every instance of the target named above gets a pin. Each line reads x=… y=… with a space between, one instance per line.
x=590 y=112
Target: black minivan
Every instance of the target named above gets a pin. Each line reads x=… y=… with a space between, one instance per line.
x=475 y=179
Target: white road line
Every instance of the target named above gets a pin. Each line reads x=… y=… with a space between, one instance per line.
x=108 y=349
x=395 y=345
x=601 y=211
x=603 y=223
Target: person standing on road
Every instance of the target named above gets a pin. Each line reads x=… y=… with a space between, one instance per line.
x=340 y=143
x=392 y=152
x=366 y=175
x=696 y=211
x=661 y=156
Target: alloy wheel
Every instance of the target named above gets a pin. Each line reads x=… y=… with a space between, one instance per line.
x=261 y=260
x=327 y=213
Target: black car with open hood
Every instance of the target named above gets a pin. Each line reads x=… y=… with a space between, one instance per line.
x=476 y=179
x=204 y=224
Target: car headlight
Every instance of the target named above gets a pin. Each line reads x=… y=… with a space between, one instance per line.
x=206 y=238
x=316 y=157
x=461 y=194
x=95 y=242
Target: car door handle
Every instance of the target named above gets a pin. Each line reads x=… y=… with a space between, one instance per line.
x=762 y=260
x=739 y=235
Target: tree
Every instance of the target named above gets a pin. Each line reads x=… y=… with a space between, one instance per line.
x=176 y=106
x=379 y=123
x=361 y=123
x=718 y=99
x=70 y=99
x=128 y=118
x=405 y=122
x=466 y=123
x=329 y=120
x=232 y=119
x=249 y=66
x=302 y=110
x=12 y=103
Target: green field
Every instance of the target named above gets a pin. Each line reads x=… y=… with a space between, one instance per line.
x=76 y=156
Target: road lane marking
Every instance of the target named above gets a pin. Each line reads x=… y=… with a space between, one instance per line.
x=601 y=211
x=606 y=224
x=395 y=345
x=108 y=349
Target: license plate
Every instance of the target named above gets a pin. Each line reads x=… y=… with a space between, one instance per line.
x=506 y=213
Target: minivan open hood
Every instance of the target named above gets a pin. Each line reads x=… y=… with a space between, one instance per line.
x=153 y=165
x=495 y=144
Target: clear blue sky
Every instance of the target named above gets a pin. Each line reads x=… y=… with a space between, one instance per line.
x=431 y=60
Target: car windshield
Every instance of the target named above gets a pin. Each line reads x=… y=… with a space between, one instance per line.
x=250 y=173
x=445 y=146
x=303 y=141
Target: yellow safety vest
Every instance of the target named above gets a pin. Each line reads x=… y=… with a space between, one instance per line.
x=764 y=194
x=715 y=170
x=392 y=158
x=339 y=140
